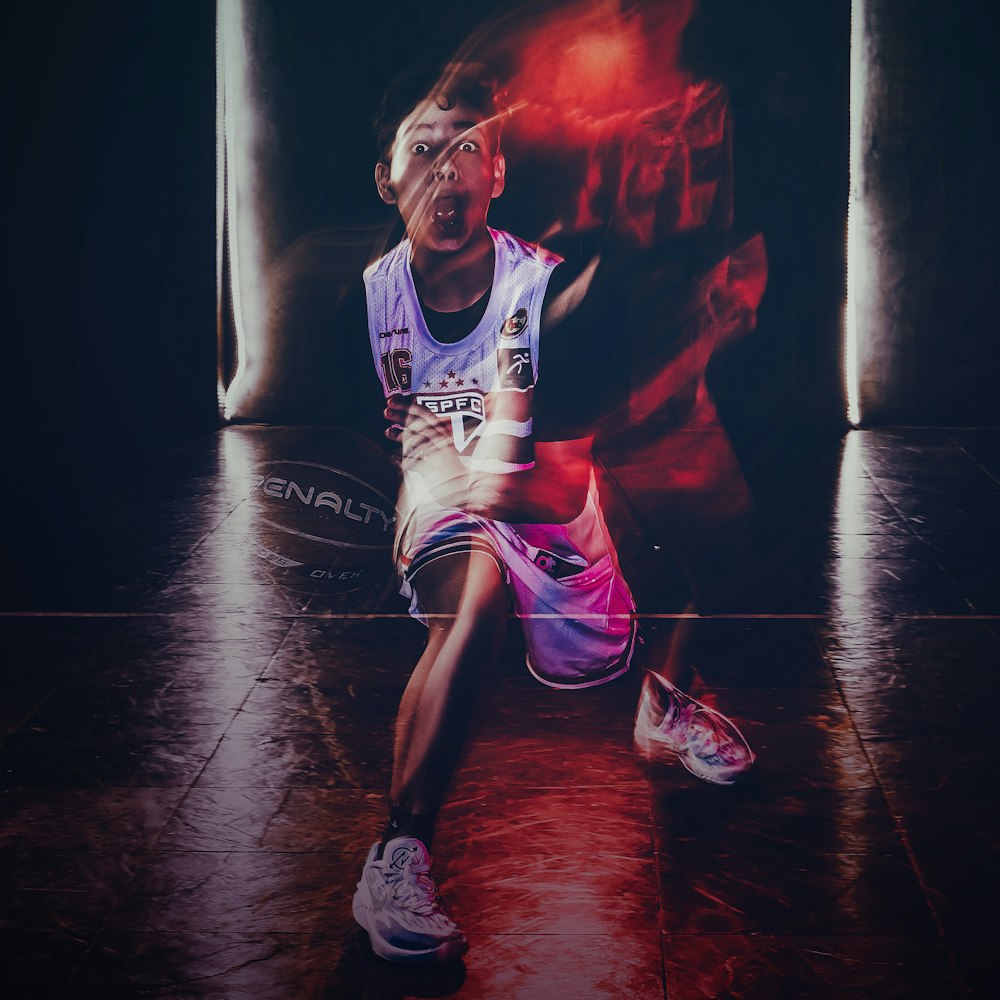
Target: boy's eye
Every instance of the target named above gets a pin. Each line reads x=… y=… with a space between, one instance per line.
x=420 y=148
x=468 y=146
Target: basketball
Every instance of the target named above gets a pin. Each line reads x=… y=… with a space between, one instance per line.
x=323 y=514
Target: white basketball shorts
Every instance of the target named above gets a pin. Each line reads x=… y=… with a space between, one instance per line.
x=578 y=621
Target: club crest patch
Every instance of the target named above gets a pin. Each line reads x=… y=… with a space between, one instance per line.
x=514 y=368
x=466 y=410
x=513 y=325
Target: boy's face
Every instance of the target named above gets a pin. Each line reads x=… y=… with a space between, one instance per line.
x=441 y=176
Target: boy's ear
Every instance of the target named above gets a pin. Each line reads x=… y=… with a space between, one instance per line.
x=499 y=175
x=385 y=189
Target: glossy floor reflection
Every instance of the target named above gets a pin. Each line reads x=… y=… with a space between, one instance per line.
x=196 y=736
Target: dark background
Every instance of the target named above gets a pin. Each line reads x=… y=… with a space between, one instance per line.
x=109 y=172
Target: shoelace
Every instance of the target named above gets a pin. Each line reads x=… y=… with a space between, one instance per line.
x=416 y=891
x=688 y=730
x=675 y=721
x=703 y=737
x=688 y=726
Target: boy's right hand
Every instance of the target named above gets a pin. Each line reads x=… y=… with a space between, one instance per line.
x=428 y=447
x=421 y=433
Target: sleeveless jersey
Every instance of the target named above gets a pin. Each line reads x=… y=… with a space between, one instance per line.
x=482 y=386
x=564 y=579
x=479 y=391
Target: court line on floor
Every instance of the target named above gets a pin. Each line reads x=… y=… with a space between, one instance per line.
x=402 y=616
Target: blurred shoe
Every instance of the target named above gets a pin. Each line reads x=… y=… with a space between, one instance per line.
x=670 y=723
x=398 y=903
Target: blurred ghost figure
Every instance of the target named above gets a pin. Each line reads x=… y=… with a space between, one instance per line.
x=633 y=169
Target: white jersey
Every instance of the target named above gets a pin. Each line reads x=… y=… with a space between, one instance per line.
x=564 y=579
x=484 y=384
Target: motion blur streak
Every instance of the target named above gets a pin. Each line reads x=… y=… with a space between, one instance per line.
x=604 y=92
x=622 y=150
x=635 y=155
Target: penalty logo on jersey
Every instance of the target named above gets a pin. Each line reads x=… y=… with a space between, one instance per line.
x=466 y=410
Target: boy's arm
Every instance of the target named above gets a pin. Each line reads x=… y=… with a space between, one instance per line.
x=553 y=491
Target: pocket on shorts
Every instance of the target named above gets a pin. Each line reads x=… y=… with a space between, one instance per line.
x=579 y=632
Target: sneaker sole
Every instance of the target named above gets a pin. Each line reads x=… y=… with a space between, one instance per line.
x=648 y=750
x=446 y=951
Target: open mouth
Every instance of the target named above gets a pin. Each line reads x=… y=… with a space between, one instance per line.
x=448 y=214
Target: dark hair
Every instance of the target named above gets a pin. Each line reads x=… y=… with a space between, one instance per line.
x=455 y=83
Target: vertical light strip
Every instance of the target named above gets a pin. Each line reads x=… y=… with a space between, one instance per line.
x=857 y=243
x=233 y=55
x=220 y=201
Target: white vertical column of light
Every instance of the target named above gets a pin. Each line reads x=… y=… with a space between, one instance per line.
x=220 y=199
x=242 y=229
x=859 y=257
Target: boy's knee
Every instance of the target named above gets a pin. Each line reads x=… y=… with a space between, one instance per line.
x=459 y=585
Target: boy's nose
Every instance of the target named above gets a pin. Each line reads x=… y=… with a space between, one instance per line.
x=445 y=170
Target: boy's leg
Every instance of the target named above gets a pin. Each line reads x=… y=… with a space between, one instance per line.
x=397 y=901
x=668 y=651
x=470 y=594
x=671 y=723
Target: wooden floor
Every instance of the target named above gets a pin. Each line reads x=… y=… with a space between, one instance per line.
x=195 y=752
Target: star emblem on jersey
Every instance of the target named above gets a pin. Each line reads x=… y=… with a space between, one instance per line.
x=514 y=324
x=448 y=381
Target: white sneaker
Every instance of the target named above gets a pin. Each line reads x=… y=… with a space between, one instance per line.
x=669 y=722
x=398 y=903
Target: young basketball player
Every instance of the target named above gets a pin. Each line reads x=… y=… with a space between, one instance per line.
x=490 y=381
